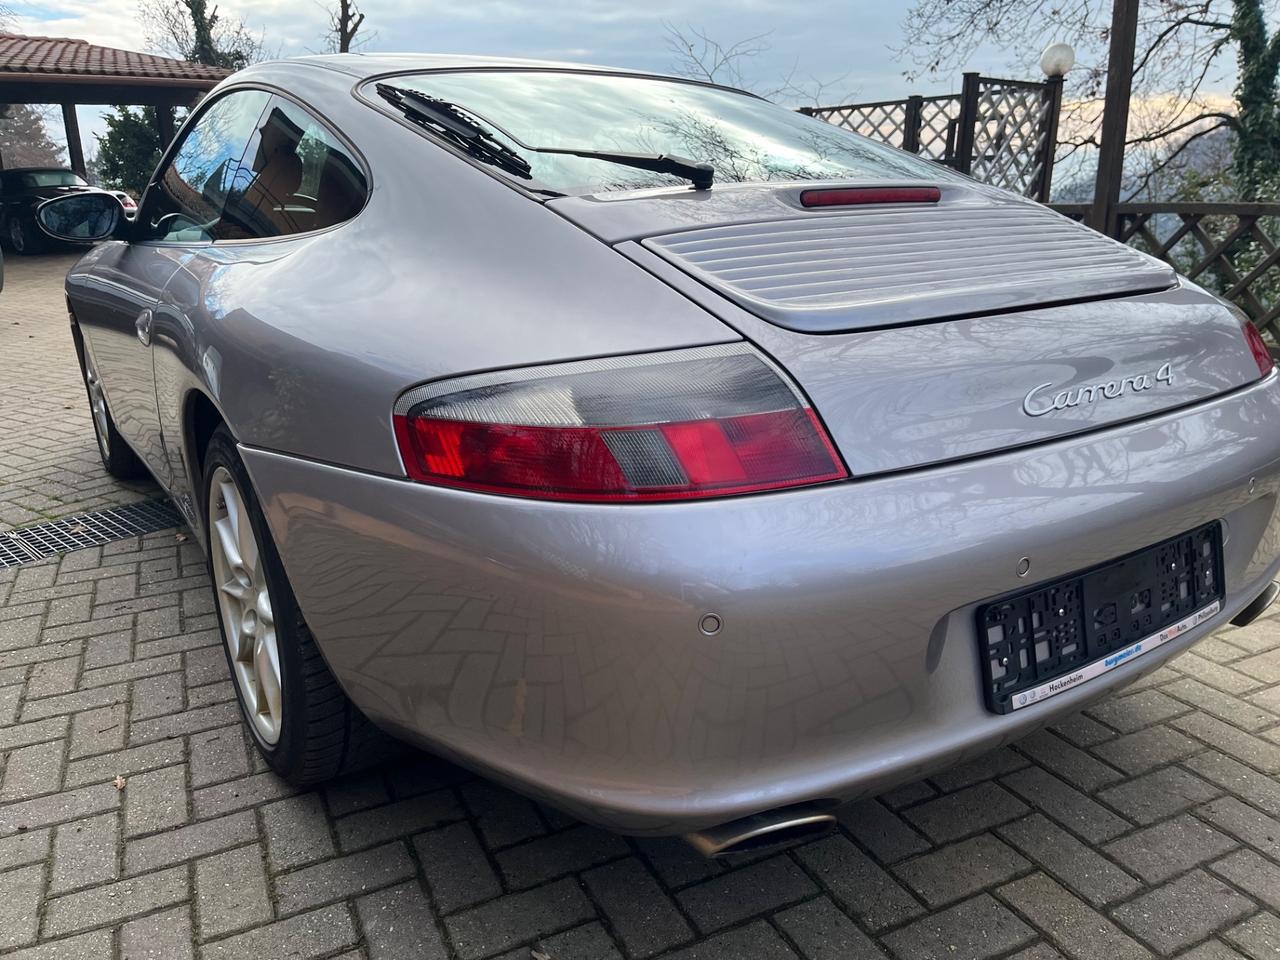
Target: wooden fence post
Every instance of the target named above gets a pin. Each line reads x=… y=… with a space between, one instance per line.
x=1053 y=107
x=911 y=124
x=1115 y=118
x=968 y=121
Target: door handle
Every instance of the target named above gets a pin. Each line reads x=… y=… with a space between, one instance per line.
x=143 y=327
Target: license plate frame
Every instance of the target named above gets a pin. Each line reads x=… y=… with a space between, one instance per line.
x=1036 y=643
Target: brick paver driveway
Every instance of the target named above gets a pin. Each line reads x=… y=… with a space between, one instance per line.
x=49 y=464
x=1148 y=826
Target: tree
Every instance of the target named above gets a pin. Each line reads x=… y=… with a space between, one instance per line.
x=345 y=21
x=1182 y=53
x=188 y=30
x=1257 y=120
x=24 y=140
x=698 y=56
x=130 y=149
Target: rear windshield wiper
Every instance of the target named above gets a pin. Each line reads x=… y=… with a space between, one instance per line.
x=701 y=174
x=463 y=130
x=449 y=121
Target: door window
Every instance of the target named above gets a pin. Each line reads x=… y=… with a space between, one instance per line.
x=188 y=201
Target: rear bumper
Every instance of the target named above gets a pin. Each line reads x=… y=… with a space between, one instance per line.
x=557 y=646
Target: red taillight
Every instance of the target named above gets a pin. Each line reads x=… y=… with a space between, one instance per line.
x=852 y=196
x=1258 y=346
x=685 y=426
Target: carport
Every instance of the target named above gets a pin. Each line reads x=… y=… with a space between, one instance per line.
x=71 y=72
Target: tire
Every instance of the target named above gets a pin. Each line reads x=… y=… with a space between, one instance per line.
x=117 y=456
x=22 y=238
x=306 y=728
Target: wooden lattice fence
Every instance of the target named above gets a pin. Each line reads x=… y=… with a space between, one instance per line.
x=1232 y=249
x=1001 y=132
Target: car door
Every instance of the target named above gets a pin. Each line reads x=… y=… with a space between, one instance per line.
x=180 y=214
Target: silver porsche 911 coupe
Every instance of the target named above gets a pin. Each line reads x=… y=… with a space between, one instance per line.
x=682 y=461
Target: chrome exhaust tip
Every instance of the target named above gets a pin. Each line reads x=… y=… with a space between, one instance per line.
x=1258 y=607
x=799 y=821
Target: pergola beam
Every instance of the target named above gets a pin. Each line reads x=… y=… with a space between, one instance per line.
x=164 y=125
x=88 y=92
x=75 y=148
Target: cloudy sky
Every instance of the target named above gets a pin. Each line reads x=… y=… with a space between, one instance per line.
x=849 y=45
x=830 y=38
x=820 y=39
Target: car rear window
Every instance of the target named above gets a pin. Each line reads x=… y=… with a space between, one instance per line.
x=52 y=178
x=743 y=137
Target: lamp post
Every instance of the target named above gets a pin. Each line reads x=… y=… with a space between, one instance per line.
x=1056 y=61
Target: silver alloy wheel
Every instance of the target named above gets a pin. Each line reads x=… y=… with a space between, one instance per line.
x=97 y=404
x=249 y=628
x=17 y=236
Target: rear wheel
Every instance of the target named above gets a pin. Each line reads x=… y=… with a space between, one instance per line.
x=21 y=238
x=117 y=456
x=301 y=721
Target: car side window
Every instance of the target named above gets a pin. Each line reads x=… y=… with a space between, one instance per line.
x=296 y=176
x=188 y=200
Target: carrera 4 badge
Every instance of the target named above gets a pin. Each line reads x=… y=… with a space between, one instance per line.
x=1037 y=402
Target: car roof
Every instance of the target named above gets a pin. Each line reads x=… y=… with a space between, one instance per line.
x=364 y=65
x=37 y=170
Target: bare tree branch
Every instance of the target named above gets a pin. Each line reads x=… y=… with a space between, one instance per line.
x=345 y=21
x=167 y=29
x=1225 y=120
x=1168 y=32
x=698 y=56
x=1180 y=47
x=1145 y=179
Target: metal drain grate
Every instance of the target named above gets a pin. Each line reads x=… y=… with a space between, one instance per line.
x=12 y=552
x=86 y=530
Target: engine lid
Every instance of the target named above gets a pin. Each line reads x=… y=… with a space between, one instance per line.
x=821 y=270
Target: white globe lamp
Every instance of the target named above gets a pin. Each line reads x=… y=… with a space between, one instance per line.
x=1057 y=59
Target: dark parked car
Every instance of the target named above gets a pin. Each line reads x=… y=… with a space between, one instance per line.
x=22 y=190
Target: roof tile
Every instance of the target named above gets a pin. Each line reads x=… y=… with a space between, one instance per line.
x=67 y=56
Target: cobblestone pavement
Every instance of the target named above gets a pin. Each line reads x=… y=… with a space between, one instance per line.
x=1148 y=826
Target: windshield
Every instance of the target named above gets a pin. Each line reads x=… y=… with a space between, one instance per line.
x=744 y=138
x=52 y=178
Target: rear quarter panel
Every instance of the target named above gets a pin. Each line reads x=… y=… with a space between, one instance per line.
x=304 y=343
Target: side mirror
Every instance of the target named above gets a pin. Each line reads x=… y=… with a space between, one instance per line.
x=82 y=217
